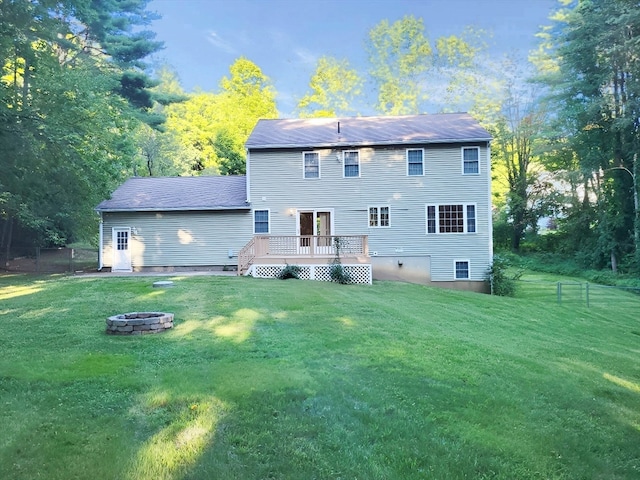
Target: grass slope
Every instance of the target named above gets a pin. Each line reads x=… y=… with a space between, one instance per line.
x=264 y=379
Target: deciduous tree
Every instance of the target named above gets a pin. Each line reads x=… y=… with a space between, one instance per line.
x=64 y=122
x=334 y=88
x=591 y=63
x=217 y=125
x=399 y=53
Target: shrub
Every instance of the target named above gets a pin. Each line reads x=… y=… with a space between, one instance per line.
x=290 y=271
x=339 y=274
x=499 y=279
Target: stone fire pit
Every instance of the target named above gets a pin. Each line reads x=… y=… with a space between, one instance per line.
x=139 y=323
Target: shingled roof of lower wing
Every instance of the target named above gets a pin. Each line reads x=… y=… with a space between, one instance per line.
x=178 y=193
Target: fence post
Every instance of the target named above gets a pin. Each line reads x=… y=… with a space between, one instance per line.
x=37 y=259
x=71 y=260
x=559 y=293
x=587 y=290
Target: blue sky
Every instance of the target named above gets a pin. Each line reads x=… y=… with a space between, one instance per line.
x=286 y=37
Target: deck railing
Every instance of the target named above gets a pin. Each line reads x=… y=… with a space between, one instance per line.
x=302 y=246
x=246 y=256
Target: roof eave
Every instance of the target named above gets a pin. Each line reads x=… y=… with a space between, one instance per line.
x=368 y=144
x=173 y=209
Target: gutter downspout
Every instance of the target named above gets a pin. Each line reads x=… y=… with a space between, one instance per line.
x=490 y=223
x=100 y=243
x=248 y=176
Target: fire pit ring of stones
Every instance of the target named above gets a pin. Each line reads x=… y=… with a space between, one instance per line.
x=139 y=323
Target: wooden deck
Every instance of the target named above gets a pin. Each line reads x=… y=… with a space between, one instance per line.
x=303 y=250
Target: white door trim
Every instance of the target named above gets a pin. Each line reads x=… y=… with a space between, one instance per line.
x=121 y=246
x=317 y=249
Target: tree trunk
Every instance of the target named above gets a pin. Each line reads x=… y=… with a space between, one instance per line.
x=518 y=231
x=8 y=239
x=636 y=212
x=25 y=83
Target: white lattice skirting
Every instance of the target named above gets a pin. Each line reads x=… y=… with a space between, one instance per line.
x=322 y=273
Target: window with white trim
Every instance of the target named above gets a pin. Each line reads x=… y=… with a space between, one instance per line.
x=351 y=161
x=311 y=161
x=461 y=269
x=470 y=160
x=261 y=221
x=415 y=161
x=455 y=218
x=471 y=218
x=379 y=216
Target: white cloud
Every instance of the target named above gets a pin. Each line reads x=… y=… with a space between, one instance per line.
x=282 y=41
x=214 y=39
x=306 y=56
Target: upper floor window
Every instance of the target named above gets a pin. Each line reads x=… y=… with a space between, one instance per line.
x=311 y=164
x=451 y=218
x=415 y=161
x=261 y=221
x=351 y=163
x=470 y=160
x=379 y=216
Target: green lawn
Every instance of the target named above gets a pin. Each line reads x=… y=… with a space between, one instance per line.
x=268 y=379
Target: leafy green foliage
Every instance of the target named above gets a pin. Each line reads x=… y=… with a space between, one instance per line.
x=587 y=61
x=231 y=159
x=399 y=53
x=64 y=135
x=161 y=153
x=216 y=125
x=334 y=87
x=502 y=282
x=338 y=274
x=289 y=271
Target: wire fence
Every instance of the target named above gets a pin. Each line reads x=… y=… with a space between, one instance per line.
x=579 y=293
x=51 y=260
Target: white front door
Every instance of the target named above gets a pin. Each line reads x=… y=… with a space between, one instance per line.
x=121 y=250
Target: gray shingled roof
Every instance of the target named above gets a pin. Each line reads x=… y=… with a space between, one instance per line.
x=354 y=131
x=140 y=194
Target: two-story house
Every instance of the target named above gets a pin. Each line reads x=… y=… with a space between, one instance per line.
x=404 y=197
x=418 y=187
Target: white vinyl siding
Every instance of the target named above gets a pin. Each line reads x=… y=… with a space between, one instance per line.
x=383 y=182
x=379 y=216
x=415 y=161
x=451 y=218
x=261 y=221
x=311 y=165
x=351 y=161
x=179 y=239
x=470 y=160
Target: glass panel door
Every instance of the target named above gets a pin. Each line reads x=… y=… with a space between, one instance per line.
x=306 y=228
x=323 y=222
x=317 y=226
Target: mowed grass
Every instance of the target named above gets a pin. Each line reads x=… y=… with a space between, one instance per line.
x=268 y=379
